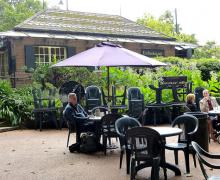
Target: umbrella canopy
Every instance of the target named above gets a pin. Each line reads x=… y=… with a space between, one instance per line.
x=109 y=55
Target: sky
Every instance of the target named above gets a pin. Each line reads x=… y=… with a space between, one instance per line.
x=199 y=17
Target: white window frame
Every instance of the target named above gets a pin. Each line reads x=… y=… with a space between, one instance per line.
x=41 y=58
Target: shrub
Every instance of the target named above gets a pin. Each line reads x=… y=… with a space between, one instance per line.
x=15 y=104
x=206 y=66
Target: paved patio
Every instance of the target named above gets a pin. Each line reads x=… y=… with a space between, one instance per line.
x=30 y=154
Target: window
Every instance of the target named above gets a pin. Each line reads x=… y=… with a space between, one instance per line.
x=3 y=63
x=49 y=54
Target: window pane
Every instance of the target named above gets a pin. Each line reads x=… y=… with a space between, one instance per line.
x=57 y=51
x=52 y=51
x=36 y=58
x=46 y=50
x=47 y=58
x=62 y=51
x=36 y=49
x=42 y=58
x=41 y=51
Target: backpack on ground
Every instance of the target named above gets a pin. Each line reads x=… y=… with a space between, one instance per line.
x=89 y=143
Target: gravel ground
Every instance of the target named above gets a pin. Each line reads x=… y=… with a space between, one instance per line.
x=34 y=155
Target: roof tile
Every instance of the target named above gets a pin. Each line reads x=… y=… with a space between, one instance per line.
x=73 y=22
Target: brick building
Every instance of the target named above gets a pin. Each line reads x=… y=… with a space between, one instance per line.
x=54 y=35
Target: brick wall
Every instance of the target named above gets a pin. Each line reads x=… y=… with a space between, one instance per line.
x=80 y=45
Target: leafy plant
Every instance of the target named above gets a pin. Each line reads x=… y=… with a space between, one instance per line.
x=15 y=104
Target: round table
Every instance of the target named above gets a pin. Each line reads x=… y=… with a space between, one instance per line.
x=214 y=112
x=156 y=110
x=168 y=132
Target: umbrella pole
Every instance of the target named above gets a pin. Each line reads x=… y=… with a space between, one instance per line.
x=108 y=82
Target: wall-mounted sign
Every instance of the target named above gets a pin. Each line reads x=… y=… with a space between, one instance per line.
x=173 y=81
x=153 y=52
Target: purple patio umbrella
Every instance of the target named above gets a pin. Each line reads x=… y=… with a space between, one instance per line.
x=109 y=55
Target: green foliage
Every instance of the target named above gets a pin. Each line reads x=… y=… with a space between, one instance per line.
x=165 y=25
x=206 y=66
x=209 y=50
x=15 y=105
x=214 y=84
x=42 y=74
x=14 y=12
x=58 y=76
x=5 y=88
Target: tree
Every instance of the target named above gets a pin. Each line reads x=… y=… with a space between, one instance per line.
x=165 y=25
x=13 y=12
x=209 y=50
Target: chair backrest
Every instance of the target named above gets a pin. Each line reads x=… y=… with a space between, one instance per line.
x=201 y=155
x=189 y=125
x=199 y=95
x=135 y=102
x=37 y=95
x=134 y=93
x=123 y=124
x=108 y=121
x=93 y=92
x=93 y=97
x=144 y=142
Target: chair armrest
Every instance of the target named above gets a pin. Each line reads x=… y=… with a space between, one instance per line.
x=214 y=156
x=209 y=155
x=193 y=132
x=211 y=165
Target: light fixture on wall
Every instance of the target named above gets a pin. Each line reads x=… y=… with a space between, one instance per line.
x=61 y=3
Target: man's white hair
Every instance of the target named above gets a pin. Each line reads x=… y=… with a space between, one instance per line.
x=72 y=95
x=205 y=90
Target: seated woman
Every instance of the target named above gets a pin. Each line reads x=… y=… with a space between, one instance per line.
x=207 y=104
x=190 y=102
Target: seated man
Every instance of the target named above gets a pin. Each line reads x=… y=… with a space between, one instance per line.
x=77 y=116
x=207 y=104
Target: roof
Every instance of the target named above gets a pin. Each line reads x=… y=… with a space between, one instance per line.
x=179 y=45
x=83 y=23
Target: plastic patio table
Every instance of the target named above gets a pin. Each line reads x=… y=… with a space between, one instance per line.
x=168 y=132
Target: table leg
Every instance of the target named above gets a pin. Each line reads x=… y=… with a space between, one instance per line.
x=155 y=116
x=167 y=165
x=173 y=168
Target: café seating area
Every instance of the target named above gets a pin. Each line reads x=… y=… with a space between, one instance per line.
x=121 y=121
